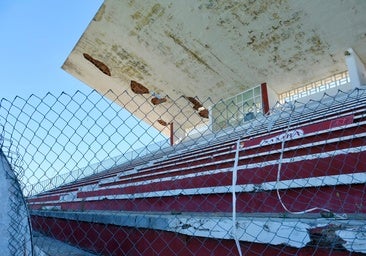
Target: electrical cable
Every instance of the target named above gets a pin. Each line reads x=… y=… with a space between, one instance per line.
x=340 y=216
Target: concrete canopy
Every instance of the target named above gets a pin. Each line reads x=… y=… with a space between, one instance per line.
x=214 y=49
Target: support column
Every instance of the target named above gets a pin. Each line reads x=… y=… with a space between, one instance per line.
x=171 y=134
x=356 y=69
x=265 y=101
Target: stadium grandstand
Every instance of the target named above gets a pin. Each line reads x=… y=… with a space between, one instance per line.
x=214 y=128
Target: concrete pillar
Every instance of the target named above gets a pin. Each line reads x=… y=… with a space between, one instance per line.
x=356 y=69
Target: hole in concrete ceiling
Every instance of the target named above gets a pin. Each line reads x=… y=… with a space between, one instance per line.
x=100 y=65
x=195 y=102
x=162 y=122
x=203 y=113
x=138 y=88
x=157 y=101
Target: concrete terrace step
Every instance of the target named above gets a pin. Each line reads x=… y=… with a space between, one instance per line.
x=304 y=114
x=47 y=246
x=260 y=228
x=149 y=180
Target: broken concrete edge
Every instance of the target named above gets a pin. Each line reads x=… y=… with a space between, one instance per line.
x=292 y=230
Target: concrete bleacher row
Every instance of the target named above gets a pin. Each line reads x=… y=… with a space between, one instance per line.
x=257 y=128
x=208 y=178
x=210 y=166
x=188 y=189
x=260 y=127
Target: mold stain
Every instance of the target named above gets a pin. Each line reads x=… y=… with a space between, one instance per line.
x=251 y=8
x=131 y=72
x=99 y=42
x=285 y=42
x=274 y=35
x=100 y=13
x=208 y=49
x=190 y=52
x=313 y=48
x=141 y=21
x=131 y=3
x=220 y=84
x=317 y=45
x=130 y=64
x=137 y=15
x=254 y=9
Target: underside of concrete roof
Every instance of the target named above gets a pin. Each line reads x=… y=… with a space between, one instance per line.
x=213 y=49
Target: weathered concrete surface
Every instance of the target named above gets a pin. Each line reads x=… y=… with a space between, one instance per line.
x=47 y=246
x=214 y=49
x=294 y=230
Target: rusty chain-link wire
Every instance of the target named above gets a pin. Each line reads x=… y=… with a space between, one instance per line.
x=233 y=181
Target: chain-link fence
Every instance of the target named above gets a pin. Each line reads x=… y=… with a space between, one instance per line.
x=188 y=176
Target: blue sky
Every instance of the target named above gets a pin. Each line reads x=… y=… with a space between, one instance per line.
x=36 y=38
